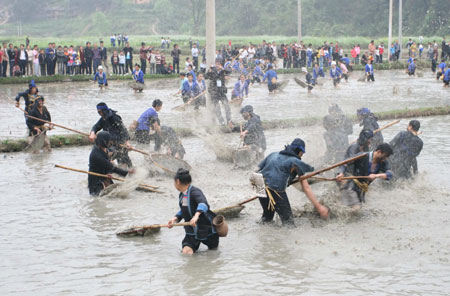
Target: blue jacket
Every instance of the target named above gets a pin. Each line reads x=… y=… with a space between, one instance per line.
x=194 y=77
x=410 y=60
x=442 y=66
x=447 y=75
x=269 y=75
x=236 y=65
x=369 y=68
x=138 y=76
x=144 y=119
x=190 y=91
x=257 y=71
x=49 y=54
x=278 y=168
x=317 y=73
x=412 y=67
x=346 y=60
x=335 y=74
x=238 y=91
x=101 y=79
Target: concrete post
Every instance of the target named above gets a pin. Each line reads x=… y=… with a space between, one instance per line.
x=210 y=32
x=299 y=22
x=390 y=31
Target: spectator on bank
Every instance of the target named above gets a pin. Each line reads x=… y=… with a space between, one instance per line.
x=122 y=63
x=88 y=56
x=115 y=62
x=128 y=50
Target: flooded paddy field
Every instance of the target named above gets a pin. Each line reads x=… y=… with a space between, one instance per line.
x=59 y=240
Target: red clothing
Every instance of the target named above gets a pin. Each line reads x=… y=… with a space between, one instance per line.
x=1 y=56
x=381 y=50
x=353 y=53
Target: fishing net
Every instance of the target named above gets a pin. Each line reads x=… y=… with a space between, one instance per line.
x=166 y=164
x=282 y=84
x=230 y=212
x=244 y=157
x=137 y=231
x=36 y=143
x=136 y=85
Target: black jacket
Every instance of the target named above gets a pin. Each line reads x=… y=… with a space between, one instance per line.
x=130 y=50
x=214 y=76
x=195 y=201
x=29 y=99
x=88 y=53
x=99 y=163
x=371 y=122
x=32 y=123
x=169 y=138
x=113 y=124
x=255 y=135
x=11 y=54
x=406 y=147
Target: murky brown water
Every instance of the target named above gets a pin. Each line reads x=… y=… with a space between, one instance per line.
x=56 y=239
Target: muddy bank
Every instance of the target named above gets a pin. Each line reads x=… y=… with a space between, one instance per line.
x=16 y=145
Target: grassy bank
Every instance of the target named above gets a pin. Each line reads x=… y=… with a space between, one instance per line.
x=77 y=140
x=77 y=78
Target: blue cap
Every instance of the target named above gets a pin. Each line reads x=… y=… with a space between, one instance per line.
x=298 y=144
x=363 y=111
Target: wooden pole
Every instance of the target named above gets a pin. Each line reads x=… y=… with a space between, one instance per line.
x=304 y=177
x=45 y=121
x=390 y=30
x=58 y=125
x=382 y=128
x=145 y=186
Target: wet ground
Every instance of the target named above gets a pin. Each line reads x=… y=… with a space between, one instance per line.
x=59 y=240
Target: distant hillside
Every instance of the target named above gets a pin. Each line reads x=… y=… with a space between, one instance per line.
x=234 y=17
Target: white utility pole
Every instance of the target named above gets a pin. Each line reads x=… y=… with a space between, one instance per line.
x=390 y=31
x=299 y=22
x=400 y=19
x=210 y=32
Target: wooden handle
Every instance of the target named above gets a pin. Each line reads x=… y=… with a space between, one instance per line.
x=150 y=187
x=150 y=156
x=304 y=177
x=343 y=178
x=382 y=128
x=58 y=125
x=135 y=149
x=247 y=200
x=189 y=102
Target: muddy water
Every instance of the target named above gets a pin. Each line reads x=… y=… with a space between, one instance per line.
x=59 y=240
x=73 y=104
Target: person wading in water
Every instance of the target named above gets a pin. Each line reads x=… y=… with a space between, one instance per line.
x=194 y=208
x=278 y=171
x=406 y=146
x=99 y=162
x=37 y=127
x=112 y=123
x=374 y=165
x=29 y=96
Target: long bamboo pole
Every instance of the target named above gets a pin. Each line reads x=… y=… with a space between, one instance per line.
x=145 y=186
